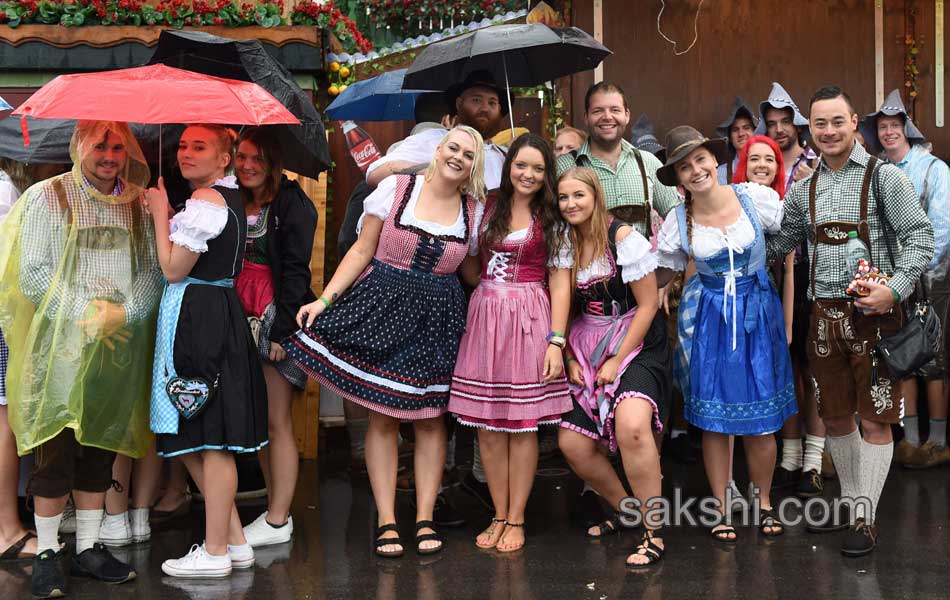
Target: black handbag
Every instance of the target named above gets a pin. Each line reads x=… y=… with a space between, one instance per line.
x=919 y=339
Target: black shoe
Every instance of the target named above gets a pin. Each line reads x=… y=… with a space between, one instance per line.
x=860 y=540
x=825 y=521
x=590 y=511
x=811 y=485
x=97 y=562
x=681 y=450
x=784 y=478
x=48 y=580
x=445 y=514
x=479 y=490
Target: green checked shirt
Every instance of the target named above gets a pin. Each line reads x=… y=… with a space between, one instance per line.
x=623 y=186
x=838 y=198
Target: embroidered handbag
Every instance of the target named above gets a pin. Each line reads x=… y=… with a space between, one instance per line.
x=190 y=396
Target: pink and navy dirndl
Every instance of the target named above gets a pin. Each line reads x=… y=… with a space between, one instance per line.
x=390 y=342
x=497 y=383
x=607 y=307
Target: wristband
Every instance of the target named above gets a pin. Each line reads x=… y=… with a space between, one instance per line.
x=568 y=359
x=325 y=302
x=897 y=297
x=554 y=334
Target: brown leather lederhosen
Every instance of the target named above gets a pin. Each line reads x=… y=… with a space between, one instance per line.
x=632 y=213
x=848 y=377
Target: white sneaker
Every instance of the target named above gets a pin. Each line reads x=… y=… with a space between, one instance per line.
x=139 y=526
x=261 y=533
x=68 y=522
x=242 y=557
x=198 y=563
x=115 y=530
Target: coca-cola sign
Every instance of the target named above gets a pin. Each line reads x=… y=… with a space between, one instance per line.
x=365 y=153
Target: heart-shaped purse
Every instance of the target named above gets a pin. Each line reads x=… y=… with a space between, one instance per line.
x=190 y=396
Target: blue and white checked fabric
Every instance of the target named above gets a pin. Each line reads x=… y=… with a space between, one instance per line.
x=686 y=322
x=163 y=414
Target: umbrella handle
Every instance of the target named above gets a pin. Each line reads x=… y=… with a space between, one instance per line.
x=26 y=131
x=511 y=115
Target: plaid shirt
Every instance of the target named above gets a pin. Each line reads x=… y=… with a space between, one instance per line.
x=112 y=255
x=838 y=198
x=623 y=186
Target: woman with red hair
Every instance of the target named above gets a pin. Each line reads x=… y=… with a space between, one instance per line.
x=760 y=161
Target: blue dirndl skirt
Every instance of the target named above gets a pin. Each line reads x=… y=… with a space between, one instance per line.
x=747 y=389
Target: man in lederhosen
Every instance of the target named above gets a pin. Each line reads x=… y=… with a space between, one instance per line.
x=852 y=191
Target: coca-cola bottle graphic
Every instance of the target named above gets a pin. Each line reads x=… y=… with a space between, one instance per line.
x=361 y=146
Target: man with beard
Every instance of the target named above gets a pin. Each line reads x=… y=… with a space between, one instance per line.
x=627 y=175
x=780 y=119
x=851 y=191
x=890 y=129
x=476 y=102
x=79 y=283
x=738 y=128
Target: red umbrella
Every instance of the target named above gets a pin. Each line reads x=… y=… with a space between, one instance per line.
x=154 y=94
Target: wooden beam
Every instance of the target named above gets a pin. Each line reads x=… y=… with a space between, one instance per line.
x=879 y=52
x=103 y=36
x=938 y=64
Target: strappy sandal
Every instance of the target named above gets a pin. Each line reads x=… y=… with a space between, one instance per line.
x=396 y=541
x=720 y=534
x=490 y=532
x=425 y=537
x=15 y=551
x=648 y=548
x=609 y=526
x=520 y=525
x=769 y=520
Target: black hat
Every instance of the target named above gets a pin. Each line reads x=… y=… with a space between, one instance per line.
x=642 y=137
x=682 y=140
x=477 y=78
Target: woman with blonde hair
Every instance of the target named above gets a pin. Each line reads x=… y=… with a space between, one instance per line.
x=385 y=333
x=617 y=360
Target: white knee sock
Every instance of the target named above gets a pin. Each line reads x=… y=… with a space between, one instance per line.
x=477 y=471
x=875 y=464
x=87 y=528
x=814 y=446
x=47 y=533
x=846 y=454
x=791 y=454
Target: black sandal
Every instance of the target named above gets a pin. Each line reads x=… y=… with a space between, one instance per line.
x=648 y=548
x=15 y=552
x=768 y=519
x=720 y=534
x=396 y=541
x=609 y=526
x=425 y=537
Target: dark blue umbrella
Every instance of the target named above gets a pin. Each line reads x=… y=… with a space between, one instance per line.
x=379 y=98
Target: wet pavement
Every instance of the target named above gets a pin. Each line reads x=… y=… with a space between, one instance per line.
x=330 y=556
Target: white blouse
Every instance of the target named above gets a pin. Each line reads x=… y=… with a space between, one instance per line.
x=199 y=222
x=381 y=201
x=634 y=257
x=707 y=241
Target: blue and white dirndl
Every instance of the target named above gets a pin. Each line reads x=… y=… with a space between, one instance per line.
x=740 y=372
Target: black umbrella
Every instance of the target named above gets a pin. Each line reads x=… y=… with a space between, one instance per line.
x=519 y=55
x=305 y=146
x=49 y=140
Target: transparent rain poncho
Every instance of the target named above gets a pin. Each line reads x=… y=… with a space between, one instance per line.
x=79 y=287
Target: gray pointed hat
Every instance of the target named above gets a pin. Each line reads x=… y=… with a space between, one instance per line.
x=779 y=98
x=893 y=105
x=643 y=138
x=739 y=109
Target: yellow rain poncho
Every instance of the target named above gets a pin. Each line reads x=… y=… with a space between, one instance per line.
x=79 y=286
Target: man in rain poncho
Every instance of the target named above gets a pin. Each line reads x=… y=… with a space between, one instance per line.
x=79 y=284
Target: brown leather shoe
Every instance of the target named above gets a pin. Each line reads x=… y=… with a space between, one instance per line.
x=904 y=452
x=928 y=455
x=828 y=470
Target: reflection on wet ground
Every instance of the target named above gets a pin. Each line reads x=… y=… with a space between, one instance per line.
x=330 y=556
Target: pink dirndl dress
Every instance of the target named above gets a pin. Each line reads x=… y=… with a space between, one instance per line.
x=497 y=384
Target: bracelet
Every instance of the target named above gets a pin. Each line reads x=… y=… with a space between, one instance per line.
x=568 y=359
x=325 y=301
x=560 y=342
x=897 y=297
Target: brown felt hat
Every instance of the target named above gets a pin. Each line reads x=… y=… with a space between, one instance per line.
x=682 y=140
